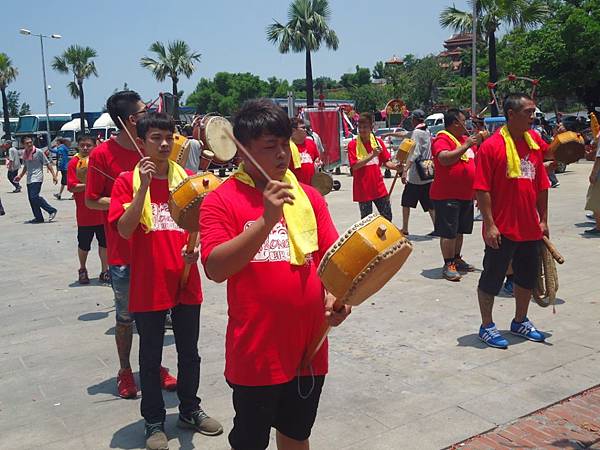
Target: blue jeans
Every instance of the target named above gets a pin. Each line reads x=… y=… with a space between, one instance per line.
x=119 y=276
x=37 y=202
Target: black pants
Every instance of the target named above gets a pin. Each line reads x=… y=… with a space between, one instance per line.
x=186 y=328
x=383 y=206
x=37 y=202
x=11 y=177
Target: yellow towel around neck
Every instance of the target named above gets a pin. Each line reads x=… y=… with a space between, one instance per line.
x=175 y=175
x=464 y=156
x=299 y=217
x=361 y=151
x=295 y=155
x=513 y=161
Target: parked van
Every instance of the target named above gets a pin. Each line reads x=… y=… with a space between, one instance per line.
x=435 y=123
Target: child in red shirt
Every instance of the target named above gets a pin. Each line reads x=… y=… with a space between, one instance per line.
x=139 y=209
x=90 y=222
x=366 y=154
x=307 y=153
x=268 y=248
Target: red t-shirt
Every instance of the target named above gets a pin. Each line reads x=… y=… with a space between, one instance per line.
x=275 y=308
x=156 y=261
x=308 y=155
x=86 y=217
x=453 y=182
x=514 y=200
x=367 y=183
x=112 y=159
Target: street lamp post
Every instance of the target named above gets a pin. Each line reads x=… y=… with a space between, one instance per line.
x=26 y=32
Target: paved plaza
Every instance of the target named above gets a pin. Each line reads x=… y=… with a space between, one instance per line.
x=407 y=370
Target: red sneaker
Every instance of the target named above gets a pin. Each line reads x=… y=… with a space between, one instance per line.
x=167 y=381
x=126 y=384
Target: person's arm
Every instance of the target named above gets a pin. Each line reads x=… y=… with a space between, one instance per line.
x=595 y=171
x=231 y=256
x=130 y=219
x=450 y=157
x=50 y=167
x=491 y=236
x=542 y=208
x=73 y=183
x=22 y=174
x=95 y=185
x=101 y=203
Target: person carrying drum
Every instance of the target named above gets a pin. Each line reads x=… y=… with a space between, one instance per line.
x=139 y=210
x=106 y=162
x=305 y=155
x=268 y=248
x=366 y=155
x=90 y=222
x=511 y=184
x=452 y=190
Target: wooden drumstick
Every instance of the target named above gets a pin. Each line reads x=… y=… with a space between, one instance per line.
x=190 y=247
x=398 y=172
x=130 y=136
x=101 y=172
x=317 y=342
x=553 y=250
x=246 y=153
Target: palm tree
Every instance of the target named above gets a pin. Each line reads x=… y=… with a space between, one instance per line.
x=8 y=74
x=305 y=31
x=77 y=60
x=175 y=60
x=490 y=15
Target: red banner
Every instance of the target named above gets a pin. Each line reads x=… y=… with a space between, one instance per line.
x=326 y=124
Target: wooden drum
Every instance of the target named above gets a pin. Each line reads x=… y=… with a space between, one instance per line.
x=180 y=150
x=568 y=147
x=364 y=259
x=184 y=202
x=81 y=169
x=214 y=138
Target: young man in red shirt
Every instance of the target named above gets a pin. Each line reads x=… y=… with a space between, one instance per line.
x=106 y=162
x=268 y=248
x=366 y=155
x=452 y=190
x=512 y=193
x=305 y=155
x=90 y=222
x=139 y=209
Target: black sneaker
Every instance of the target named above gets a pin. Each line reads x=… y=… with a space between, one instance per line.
x=200 y=421
x=57 y=196
x=592 y=231
x=2 y=212
x=35 y=221
x=156 y=439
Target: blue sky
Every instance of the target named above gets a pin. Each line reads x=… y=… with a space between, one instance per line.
x=230 y=35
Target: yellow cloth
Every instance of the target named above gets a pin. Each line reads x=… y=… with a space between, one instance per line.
x=464 y=156
x=361 y=151
x=513 y=162
x=299 y=217
x=175 y=175
x=295 y=155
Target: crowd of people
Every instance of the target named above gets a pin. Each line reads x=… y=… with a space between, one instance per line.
x=267 y=248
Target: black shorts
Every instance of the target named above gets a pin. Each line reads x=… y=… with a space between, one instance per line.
x=525 y=264
x=258 y=408
x=453 y=217
x=415 y=193
x=85 y=235
x=63 y=177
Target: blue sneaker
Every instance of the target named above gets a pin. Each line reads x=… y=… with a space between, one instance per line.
x=492 y=337
x=509 y=288
x=526 y=330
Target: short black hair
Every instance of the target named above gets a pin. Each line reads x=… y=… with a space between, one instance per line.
x=154 y=120
x=122 y=104
x=258 y=117
x=452 y=115
x=24 y=138
x=513 y=101
x=365 y=118
x=85 y=137
x=296 y=122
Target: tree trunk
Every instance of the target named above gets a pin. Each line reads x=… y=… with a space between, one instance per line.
x=175 y=99
x=309 y=80
x=81 y=108
x=6 y=115
x=493 y=68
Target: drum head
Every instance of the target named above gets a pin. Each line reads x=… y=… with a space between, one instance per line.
x=217 y=140
x=322 y=182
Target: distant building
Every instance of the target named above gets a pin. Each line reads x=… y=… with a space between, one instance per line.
x=454 y=48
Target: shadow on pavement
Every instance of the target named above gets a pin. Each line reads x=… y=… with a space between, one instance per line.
x=98 y=315
x=432 y=274
x=421 y=238
x=587 y=224
x=472 y=340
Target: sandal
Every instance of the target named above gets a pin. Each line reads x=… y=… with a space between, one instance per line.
x=83 y=277
x=104 y=277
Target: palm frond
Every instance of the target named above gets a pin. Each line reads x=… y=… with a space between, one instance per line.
x=455 y=19
x=73 y=89
x=8 y=73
